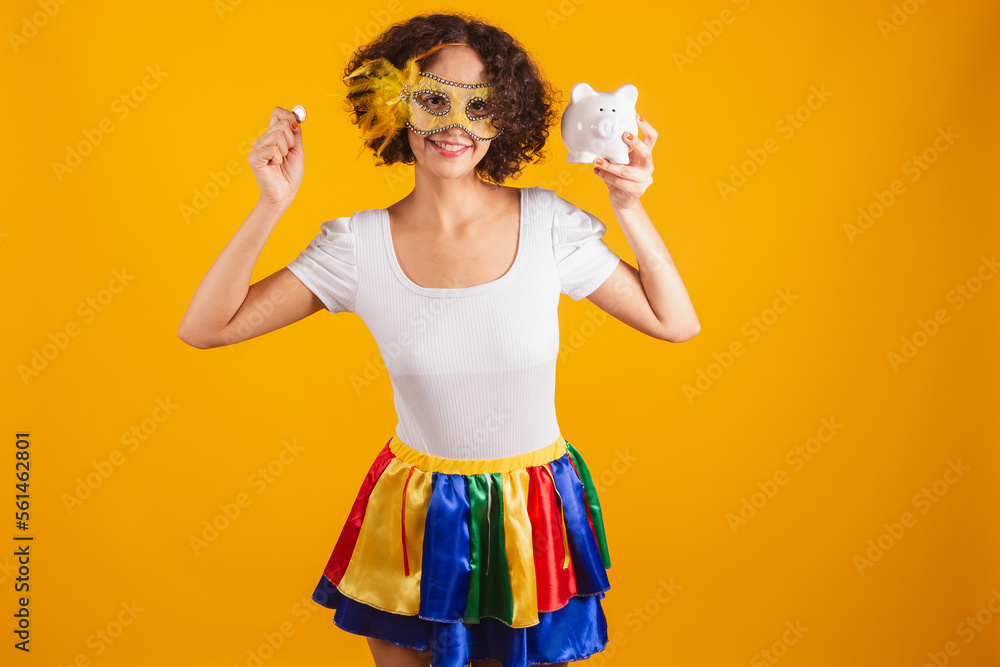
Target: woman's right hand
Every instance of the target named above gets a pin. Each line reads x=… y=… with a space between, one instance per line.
x=277 y=160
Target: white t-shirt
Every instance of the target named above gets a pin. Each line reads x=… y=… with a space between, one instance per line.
x=472 y=368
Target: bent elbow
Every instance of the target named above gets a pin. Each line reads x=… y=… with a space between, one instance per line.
x=681 y=335
x=193 y=339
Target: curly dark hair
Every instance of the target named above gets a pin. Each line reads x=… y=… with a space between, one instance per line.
x=524 y=102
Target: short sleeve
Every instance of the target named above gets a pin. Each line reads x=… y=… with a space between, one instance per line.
x=328 y=265
x=583 y=259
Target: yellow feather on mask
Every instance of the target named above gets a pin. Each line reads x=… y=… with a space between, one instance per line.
x=378 y=95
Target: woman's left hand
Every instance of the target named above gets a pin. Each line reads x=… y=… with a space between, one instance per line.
x=628 y=182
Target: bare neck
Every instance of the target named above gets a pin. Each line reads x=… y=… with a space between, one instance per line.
x=449 y=204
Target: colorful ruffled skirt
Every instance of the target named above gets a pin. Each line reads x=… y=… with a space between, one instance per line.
x=499 y=559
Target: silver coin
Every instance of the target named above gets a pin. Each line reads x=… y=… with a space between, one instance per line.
x=300 y=112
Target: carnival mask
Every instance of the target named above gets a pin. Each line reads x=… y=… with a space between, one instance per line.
x=386 y=99
x=438 y=104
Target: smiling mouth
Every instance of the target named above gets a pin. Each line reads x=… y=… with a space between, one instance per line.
x=453 y=148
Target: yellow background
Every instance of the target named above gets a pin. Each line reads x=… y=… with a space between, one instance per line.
x=684 y=464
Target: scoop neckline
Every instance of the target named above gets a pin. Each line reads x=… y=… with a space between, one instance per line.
x=453 y=291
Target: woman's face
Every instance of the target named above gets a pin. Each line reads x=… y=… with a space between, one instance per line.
x=453 y=152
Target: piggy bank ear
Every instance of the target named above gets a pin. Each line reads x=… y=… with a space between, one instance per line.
x=628 y=92
x=580 y=91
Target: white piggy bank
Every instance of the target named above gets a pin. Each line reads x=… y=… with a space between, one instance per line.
x=593 y=123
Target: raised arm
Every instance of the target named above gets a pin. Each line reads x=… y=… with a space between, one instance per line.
x=226 y=308
x=652 y=298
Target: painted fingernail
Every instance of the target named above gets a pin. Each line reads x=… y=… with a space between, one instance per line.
x=628 y=135
x=295 y=125
x=596 y=170
x=639 y=117
x=598 y=161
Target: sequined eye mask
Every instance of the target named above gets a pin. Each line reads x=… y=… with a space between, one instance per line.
x=391 y=99
x=438 y=104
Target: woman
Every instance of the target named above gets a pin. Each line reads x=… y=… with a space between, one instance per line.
x=477 y=534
